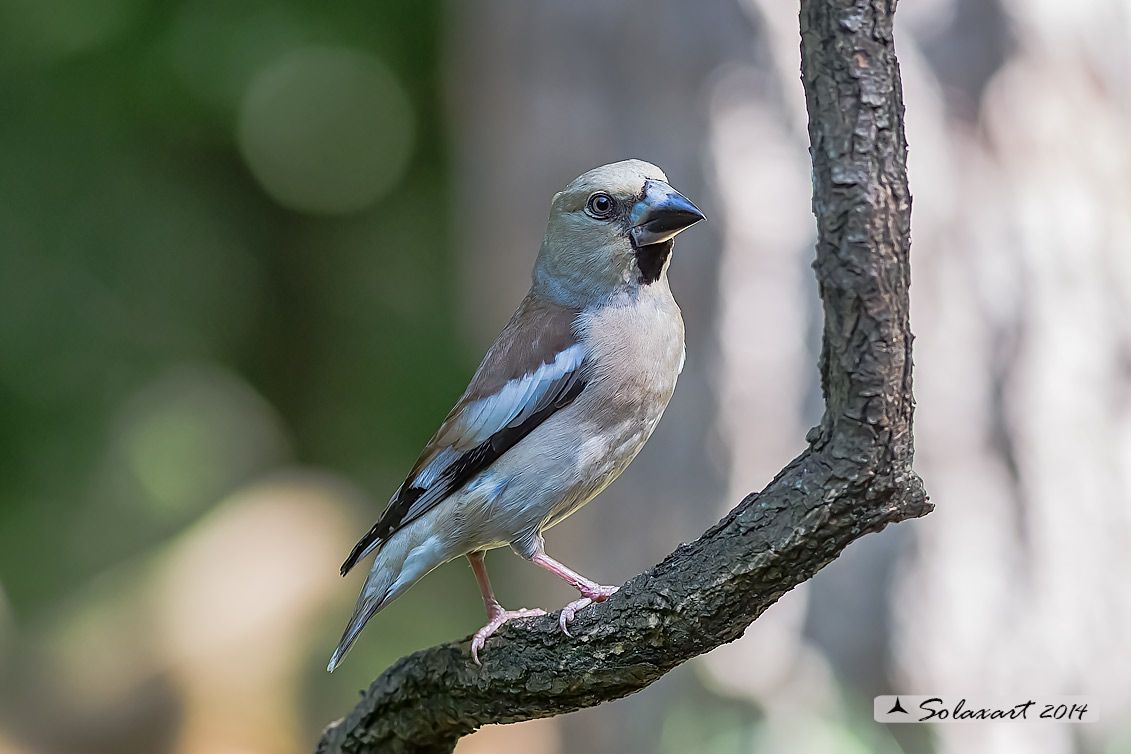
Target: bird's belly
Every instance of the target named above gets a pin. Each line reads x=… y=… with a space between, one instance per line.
x=600 y=461
x=560 y=466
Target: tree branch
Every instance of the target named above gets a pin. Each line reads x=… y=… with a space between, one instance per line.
x=854 y=478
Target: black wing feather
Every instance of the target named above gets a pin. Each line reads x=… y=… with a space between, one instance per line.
x=466 y=466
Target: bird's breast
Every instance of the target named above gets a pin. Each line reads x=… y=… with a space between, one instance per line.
x=635 y=350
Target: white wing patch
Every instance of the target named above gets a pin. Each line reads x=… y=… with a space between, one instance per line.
x=515 y=401
x=520 y=397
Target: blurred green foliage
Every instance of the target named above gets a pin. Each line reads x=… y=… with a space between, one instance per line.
x=167 y=329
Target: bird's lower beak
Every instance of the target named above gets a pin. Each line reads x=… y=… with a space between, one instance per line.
x=661 y=214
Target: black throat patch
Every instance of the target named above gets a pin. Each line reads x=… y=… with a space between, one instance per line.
x=650 y=259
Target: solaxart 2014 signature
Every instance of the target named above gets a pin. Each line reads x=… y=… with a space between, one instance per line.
x=911 y=708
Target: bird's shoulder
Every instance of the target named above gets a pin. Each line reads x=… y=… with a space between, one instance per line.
x=537 y=334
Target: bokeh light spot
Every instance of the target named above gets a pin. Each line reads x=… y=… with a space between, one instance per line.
x=52 y=30
x=326 y=130
x=193 y=434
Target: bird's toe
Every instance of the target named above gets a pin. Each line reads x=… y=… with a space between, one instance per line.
x=495 y=623
x=589 y=595
x=569 y=611
x=599 y=593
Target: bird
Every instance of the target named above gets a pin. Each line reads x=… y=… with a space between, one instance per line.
x=563 y=400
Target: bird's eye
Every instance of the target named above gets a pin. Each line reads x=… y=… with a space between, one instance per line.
x=600 y=206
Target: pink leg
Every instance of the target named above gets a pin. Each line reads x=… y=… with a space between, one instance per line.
x=496 y=615
x=591 y=591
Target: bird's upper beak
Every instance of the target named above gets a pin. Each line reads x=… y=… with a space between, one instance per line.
x=661 y=214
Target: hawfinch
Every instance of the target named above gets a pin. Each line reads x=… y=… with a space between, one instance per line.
x=564 y=400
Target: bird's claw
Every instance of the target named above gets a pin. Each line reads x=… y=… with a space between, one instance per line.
x=590 y=595
x=569 y=611
x=493 y=625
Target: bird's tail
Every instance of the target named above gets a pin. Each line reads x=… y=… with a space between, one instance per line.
x=400 y=562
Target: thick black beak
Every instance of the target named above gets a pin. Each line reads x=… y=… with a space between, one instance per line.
x=661 y=214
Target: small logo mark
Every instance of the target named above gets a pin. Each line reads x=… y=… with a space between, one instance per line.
x=897 y=707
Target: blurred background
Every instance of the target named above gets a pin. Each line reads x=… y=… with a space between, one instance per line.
x=251 y=252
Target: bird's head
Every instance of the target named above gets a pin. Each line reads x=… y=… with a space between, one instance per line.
x=611 y=230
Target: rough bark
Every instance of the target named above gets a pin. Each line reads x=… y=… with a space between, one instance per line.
x=856 y=476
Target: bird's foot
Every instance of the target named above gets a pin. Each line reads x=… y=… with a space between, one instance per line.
x=497 y=619
x=589 y=595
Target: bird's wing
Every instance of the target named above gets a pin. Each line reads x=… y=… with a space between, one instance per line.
x=536 y=367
